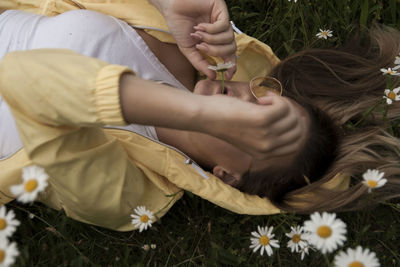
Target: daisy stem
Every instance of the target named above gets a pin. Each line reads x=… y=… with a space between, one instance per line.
x=223 y=81
x=366 y=114
x=328 y=263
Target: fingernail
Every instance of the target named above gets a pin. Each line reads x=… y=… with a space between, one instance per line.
x=199 y=28
x=197 y=36
x=202 y=47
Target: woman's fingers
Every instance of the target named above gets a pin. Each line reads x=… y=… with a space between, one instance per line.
x=218 y=26
x=223 y=50
x=216 y=39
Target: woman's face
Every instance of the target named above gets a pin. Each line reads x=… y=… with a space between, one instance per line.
x=224 y=159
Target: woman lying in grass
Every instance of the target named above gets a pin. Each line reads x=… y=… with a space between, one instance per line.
x=58 y=139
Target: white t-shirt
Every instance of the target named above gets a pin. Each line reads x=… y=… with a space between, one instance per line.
x=88 y=33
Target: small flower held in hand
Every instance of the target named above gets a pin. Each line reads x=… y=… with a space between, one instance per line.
x=143 y=218
x=34 y=181
x=8 y=223
x=356 y=257
x=222 y=67
x=373 y=179
x=297 y=241
x=324 y=34
x=263 y=239
x=392 y=95
x=325 y=232
x=8 y=252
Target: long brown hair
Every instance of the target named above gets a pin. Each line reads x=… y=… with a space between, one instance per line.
x=345 y=83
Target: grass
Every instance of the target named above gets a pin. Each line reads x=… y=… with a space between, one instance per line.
x=196 y=232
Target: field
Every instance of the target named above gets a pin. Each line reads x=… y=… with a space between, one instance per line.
x=196 y=232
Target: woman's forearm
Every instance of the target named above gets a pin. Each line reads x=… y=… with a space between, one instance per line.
x=150 y=103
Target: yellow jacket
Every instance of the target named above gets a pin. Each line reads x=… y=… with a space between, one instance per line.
x=97 y=175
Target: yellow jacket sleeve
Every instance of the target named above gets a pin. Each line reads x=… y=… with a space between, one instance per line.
x=54 y=96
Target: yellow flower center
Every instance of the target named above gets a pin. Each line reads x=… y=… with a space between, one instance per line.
x=2 y=256
x=391 y=72
x=144 y=218
x=324 y=231
x=264 y=240
x=324 y=33
x=356 y=264
x=31 y=185
x=392 y=95
x=296 y=238
x=3 y=223
x=372 y=183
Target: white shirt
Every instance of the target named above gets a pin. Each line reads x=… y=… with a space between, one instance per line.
x=88 y=33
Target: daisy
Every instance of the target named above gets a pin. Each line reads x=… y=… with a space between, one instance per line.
x=325 y=232
x=293 y=1
x=297 y=241
x=392 y=95
x=8 y=223
x=390 y=71
x=34 y=181
x=356 y=257
x=143 y=218
x=153 y=246
x=146 y=247
x=263 y=239
x=373 y=179
x=324 y=34
x=8 y=252
x=221 y=67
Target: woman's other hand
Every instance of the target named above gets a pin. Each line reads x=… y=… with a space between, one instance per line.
x=200 y=26
x=275 y=126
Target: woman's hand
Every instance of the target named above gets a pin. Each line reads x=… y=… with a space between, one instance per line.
x=200 y=26
x=273 y=127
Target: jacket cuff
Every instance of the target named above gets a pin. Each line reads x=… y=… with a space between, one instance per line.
x=107 y=100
